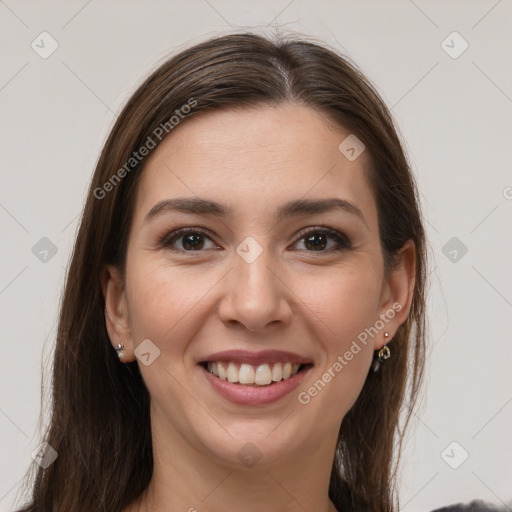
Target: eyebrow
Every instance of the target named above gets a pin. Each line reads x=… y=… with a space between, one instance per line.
x=294 y=208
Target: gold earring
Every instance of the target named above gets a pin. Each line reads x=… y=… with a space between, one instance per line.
x=383 y=354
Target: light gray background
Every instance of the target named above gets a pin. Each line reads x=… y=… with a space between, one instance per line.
x=454 y=114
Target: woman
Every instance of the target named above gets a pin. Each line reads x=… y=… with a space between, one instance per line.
x=243 y=319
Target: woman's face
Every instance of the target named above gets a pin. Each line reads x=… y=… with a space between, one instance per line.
x=285 y=267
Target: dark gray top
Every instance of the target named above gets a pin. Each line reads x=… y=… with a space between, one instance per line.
x=475 y=506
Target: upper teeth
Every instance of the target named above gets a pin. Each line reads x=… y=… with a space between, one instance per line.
x=261 y=375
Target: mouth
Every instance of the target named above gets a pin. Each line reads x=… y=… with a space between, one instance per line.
x=254 y=378
x=252 y=375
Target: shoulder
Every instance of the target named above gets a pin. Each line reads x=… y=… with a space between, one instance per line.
x=473 y=506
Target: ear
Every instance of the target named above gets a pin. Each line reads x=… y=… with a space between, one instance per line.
x=117 y=318
x=397 y=293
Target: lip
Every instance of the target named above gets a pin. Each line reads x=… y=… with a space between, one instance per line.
x=265 y=356
x=255 y=395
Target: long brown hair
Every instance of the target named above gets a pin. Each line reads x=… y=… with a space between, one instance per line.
x=100 y=423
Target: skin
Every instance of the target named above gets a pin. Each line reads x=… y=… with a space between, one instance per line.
x=292 y=298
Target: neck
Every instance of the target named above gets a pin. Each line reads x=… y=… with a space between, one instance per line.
x=190 y=479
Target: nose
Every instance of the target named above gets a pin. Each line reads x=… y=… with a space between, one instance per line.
x=255 y=296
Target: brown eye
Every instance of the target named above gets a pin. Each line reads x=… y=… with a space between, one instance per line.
x=317 y=240
x=192 y=241
x=186 y=240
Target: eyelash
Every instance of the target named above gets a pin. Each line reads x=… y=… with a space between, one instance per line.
x=343 y=243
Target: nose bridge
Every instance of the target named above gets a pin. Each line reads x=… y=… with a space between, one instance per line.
x=255 y=295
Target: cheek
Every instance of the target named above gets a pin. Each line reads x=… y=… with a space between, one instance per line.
x=162 y=302
x=345 y=307
x=345 y=302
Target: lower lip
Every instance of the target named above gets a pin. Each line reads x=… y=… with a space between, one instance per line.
x=254 y=395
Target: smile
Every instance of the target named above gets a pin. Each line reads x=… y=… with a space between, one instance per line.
x=254 y=384
x=253 y=375
x=245 y=377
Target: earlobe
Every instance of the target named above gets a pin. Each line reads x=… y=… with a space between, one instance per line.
x=397 y=292
x=116 y=311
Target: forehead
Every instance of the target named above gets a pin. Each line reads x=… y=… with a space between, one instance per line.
x=253 y=159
